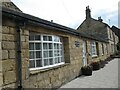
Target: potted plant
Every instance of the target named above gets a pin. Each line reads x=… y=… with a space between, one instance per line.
x=102 y=63
x=95 y=65
x=86 y=70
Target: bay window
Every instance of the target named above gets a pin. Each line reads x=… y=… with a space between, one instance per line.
x=45 y=51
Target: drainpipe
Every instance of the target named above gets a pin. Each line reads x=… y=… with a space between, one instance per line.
x=19 y=57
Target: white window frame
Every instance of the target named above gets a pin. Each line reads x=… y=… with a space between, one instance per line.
x=94 y=49
x=102 y=48
x=59 y=51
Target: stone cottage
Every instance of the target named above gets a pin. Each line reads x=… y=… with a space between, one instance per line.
x=98 y=28
x=36 y=53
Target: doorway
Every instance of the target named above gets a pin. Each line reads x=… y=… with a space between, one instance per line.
x=84 y=52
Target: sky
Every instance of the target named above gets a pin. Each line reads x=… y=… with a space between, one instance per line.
x=70 y=13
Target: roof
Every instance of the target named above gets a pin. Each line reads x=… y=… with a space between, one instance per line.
x=116 y=31
x=10 y=5
x=94 y=27
x=26 y=18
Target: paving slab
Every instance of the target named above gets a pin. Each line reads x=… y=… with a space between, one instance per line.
x=106 y=77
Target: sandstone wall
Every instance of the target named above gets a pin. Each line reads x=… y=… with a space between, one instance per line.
x=47 y=78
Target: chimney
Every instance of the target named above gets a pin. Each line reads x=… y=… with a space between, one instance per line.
x=52 y=21
x=88 y=12
x=99 y=19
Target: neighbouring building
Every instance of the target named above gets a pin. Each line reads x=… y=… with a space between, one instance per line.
x=117 y=32
x=100 y=29
x=40 y=54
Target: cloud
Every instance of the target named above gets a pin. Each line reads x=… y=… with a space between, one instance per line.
x=70 y=13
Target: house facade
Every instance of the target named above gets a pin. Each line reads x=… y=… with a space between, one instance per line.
x=98 y=28
x=36 y=53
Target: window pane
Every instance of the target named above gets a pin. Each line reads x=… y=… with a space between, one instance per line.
x=55 y=46
x=31 y=37
x=50 y=53
x=51 y=61
x=37 y=37
x=55 y=53
x=50 y=46
x=32 y=64
x=31 y=46
x=38 y=63
x=56 y=60
x=31 y=56
x=49 y=38
x=60 y=46
x=62 y=60
x=38 y=54
x=45 y=62
x=45 y=54
x=56 y=39
x=45 y=38
x=59 y=59
x=45 y=46
x=58 y=52
x=38 y=46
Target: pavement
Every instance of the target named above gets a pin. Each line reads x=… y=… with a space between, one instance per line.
x=106 y=77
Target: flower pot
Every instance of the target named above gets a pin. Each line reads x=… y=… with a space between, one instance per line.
x=95 y=65
x=86 y=70
x=102 y=63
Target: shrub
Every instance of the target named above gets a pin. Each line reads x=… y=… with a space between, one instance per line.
x=95 y=65
x=86 y=70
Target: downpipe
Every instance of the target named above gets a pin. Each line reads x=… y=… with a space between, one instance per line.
x=19 y=51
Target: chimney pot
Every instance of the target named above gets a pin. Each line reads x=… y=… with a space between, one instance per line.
x=88 y=12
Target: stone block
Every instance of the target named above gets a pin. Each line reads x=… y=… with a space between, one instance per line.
x=23 y=38
x=0 y=46
x=25 y=45
x=53 y=79
x=1 y=79
x=8 y=65
x=42 y=76
x=0 y=55
x=4 y=54
x=26 y=38
x=5 y=29
x=9 y=77
x=0 y=37
x=56 y=84
x=8 y=45
x=11 y=85
x=25 y=53
x=12 y=30
x=0 y=66
x=47 y=81
x=8 y=37
x=12 y=54
x=26 y=32
x=26 y=83
x=33 y=78
x=41 y=84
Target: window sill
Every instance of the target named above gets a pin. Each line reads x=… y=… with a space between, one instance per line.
x=94 y=56
x=32 y=72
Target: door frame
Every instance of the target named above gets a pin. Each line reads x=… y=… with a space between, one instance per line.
x=85 y=61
